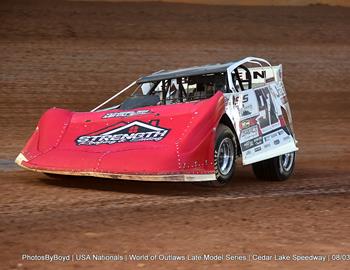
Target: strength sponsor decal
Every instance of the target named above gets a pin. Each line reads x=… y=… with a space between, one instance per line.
x=135 y=131
x=125 y=114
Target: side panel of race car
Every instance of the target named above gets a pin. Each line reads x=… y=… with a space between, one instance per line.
x=263 y=129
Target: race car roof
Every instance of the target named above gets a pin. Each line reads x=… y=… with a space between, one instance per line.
x=185 y=72
x=198 y=70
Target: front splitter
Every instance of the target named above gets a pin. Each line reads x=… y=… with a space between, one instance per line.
x=137 y=177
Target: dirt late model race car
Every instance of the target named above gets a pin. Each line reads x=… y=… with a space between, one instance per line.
x=183 y=125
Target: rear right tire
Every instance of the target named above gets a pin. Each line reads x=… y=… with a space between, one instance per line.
x=275 y=169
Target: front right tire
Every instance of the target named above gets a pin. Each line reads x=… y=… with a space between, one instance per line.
x=224 y=157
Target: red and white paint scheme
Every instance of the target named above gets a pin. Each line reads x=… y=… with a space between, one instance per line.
x=183 y=125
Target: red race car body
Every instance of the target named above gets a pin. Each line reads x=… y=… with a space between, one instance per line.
x=173 y=142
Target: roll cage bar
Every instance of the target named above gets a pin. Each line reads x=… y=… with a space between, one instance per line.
x=228 y=68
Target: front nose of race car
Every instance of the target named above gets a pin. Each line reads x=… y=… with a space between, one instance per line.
x=150 y=142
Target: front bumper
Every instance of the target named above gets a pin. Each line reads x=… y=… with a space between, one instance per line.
x=140 y=177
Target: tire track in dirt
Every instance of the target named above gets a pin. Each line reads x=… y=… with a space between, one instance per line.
x=8 y=166
x=23 y=209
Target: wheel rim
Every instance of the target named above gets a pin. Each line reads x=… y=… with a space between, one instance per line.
x=286 y=161
x=225 y=156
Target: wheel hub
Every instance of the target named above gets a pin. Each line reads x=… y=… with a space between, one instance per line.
x=225 y=156
x=286 y=161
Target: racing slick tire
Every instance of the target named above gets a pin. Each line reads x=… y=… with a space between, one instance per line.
x=275 y=169
x=224 y=156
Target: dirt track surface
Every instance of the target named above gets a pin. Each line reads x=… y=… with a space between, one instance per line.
x=76 y=54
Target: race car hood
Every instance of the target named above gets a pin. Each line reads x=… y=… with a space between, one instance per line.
x=150 y=140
